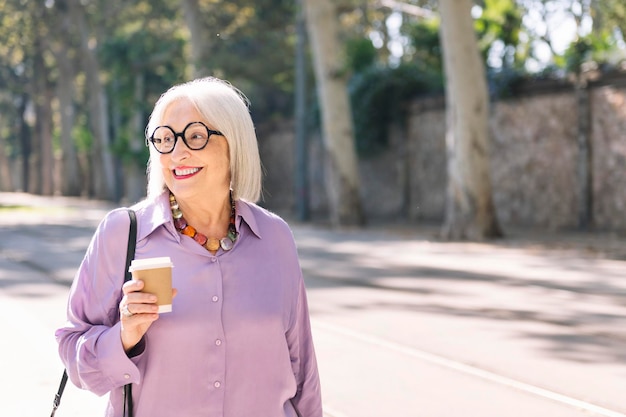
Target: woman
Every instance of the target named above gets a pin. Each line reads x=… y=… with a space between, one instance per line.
x=238 y=341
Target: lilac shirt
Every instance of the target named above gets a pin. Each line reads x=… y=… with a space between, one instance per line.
x=237 y=343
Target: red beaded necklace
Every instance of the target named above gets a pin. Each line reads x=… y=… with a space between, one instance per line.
x=212 y=244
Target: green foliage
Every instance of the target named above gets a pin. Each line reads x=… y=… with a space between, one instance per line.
x=503 y=82
x=380 y=97
x=576 y=54
x=252 y=44
x=126 y=152
x=426 y=50
x=597 y=48
x=608 y=16
x=82 y=137
x=500 y=21
x=360 y=53
x=143 y=57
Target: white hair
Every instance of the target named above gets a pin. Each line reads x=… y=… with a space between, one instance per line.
x=225 y=108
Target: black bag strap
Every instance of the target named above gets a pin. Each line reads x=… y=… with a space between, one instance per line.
x=132 y=241
x=57 y=397
x=128 y=389
x=130 y=254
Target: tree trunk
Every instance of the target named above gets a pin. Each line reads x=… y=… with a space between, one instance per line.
x=342 y=175
x=470 y=212
x=41 y=93
x=44 y=122
x=136 y=174
x=199 y=39
x=102 y=169
x=70 y=172
x=6 y=180
x=300 y=99
x=25 y=145
x=43 y=110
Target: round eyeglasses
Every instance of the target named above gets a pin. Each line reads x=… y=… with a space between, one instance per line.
x=195 y=135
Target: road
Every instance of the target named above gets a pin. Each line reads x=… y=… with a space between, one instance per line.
x=404 y=325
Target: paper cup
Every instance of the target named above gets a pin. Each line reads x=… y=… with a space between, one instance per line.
x=156 y=274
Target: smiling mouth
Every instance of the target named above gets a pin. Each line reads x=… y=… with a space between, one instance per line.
x=181 y=173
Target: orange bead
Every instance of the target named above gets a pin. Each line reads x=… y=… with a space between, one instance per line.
x=189 y=231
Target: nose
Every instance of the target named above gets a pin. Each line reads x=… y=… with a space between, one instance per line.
x=180 y=151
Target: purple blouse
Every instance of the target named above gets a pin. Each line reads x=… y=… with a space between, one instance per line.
x=237 y=343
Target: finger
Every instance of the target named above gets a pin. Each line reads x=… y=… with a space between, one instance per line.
x=139 y=298
x=133 y=285
x=141 y=309
x=174 y=292
x=125 y=311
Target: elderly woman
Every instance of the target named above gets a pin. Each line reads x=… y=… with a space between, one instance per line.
x=238 y=340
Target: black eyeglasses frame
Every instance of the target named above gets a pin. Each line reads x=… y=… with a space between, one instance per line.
x=182 y=136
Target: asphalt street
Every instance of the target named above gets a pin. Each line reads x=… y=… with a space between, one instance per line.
x=404 y=325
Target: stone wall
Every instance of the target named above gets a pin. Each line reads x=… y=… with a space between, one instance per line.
x=534 y=161
x=608 y=118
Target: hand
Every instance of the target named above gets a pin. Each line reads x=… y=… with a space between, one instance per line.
x=137 y=313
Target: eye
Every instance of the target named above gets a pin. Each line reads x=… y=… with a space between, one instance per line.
x=197 y=135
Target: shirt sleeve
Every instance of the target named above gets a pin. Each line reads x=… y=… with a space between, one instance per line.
x=90 y=344
x=308 y=400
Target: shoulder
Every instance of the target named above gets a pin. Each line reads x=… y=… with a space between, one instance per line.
x=151 y=214
x=115 y=221
x=263 y=222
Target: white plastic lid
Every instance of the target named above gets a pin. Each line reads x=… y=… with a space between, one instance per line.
x=150 y=263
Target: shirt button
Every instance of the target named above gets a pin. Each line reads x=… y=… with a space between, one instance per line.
x=215 y=298
x=217 y=384
x=218 y=342
x=213 y=259
x=126 y=376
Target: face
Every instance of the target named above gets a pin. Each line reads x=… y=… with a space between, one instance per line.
x=190 y=173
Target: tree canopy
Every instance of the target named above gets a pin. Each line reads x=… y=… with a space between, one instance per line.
x=78 y=79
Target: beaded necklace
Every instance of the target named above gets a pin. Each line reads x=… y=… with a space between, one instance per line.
x=212 y=244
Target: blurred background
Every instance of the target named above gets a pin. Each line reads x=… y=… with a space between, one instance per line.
x=79 y=78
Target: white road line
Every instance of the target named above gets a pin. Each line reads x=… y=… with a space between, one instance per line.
x=466 y=369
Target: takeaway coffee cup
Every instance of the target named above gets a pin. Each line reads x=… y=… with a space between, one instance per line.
x=156 y=274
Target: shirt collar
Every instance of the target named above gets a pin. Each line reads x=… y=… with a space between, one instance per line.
x=245 y=214
x=153 y=213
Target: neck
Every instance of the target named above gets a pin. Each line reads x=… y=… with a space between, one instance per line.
x=209 y=215
x=206 y=240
